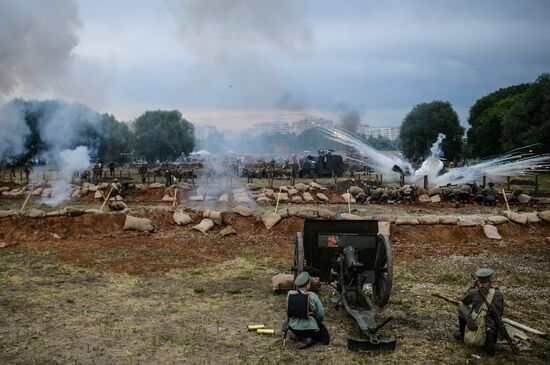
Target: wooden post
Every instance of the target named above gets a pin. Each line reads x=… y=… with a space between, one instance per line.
x=508 y=183
x=536 y=183
x=174 y=203
x=425 y=182
x=505 y=199
x=105 y=201
x=401 y=180
x=349 y=202
x=484 y=180
x=26 y=200
x=278 y=197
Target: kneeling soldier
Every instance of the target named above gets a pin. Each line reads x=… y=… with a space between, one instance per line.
x=478 y=323
x=305 y=313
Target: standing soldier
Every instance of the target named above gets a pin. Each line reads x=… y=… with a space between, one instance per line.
x=112 y=166
x=27 y=171
x=478 y=322
x=143 y=172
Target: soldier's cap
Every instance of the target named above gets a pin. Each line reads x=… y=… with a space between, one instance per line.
x=484 y=274
x=302 y=279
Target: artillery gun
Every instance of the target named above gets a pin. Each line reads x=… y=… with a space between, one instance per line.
x=357 y=257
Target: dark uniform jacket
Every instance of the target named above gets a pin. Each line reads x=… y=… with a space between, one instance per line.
x=473 y=299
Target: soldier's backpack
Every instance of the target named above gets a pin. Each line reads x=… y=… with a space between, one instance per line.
x=477 y=337
x=298 y=305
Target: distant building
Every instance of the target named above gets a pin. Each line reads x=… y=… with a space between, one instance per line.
x=203 y=131
x=302 y=125
x=391 y=133
x=268 y=127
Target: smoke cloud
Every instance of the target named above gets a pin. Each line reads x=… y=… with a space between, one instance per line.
x=36 y=41
x=13 y=130
x=350 y=118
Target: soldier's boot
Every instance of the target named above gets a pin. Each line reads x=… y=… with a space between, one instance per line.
x=491 y=341
x=308 y=342
x=459 y=333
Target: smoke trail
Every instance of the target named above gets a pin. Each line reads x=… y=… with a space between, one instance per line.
x=432 y=166
x=13 y=130
x=36 y=41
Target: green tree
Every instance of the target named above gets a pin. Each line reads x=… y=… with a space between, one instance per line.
x=118 y=143
x=422 y=125
x=163 y=135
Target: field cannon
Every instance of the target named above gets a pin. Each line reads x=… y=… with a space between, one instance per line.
x=359 y=260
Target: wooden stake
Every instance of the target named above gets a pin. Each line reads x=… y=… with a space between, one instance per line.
x=105 y=201
x=278 y=197
x=26 y=200
x=505 y=199
x=524 y=327
x=175 y=197
x=349 y=202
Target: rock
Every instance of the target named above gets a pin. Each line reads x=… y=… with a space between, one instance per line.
x=410 y=221
x=524 y=198
x=36 y=213
x=116 y=206
x=446 y=219
x=307 y=197
x=296 y=199
x=156 y=186
x=516 y=217
x=315 y=186
x=8 y=213
x=138 y=224
x=205 y=225
x=167 y=198
x=497 y=219
x=269 y=192
x=350 y=217
x=244 y=211
x=463 y=222
x=270 y=219
x=181 y=218
x=384 y=228
x=355 y=190
x=435 y=199
x=308 y=213
x=386 y=218
x=434 y=191
x=262 y=201
x=197 y=198
x=424 y=198
x=292 y=192
x=98 y=195
x=301 y=187
x=428 y=219
x=322 y=197
x=227 y=231
x=92 y=211
x=224 y=198
x=214 y=215
x=491 y=232
x=326 y=213
x=545 y=215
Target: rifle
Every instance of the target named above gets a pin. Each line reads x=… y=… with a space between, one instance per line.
x=447 y=299
x=497 y=317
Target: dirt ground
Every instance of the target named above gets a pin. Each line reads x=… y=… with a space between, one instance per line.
x=81 y=290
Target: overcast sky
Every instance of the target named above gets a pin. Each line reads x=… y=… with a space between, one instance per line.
x=234 y=62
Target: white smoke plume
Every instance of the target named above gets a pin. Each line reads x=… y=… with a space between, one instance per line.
x=36 y=41
x=68 y=161
x=13 y=130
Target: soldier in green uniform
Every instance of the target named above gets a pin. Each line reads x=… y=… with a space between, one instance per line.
x=490 y=195
x=473 y=306
x=306 y=313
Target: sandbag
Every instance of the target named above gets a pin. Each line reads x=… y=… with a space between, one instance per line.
x=326 y=213
x=288 y=212
x=244 y=211
x=92 y=211
x=181 y=218
x=282 y=197
x=491 y=232
x=197 y=198
x=269 y=192
x=138 y=224
x=57 y=213
x=434 y=191
x=315 y=186
x=37 y=191
x=524 y=198
x=350 y=217
x=446 y=219
x=98 y=195
x=497 y=219
x=262 y=201
x=301 y=187
x=428 y=219
x=348 y=196
x=36 y=213
x=322 y=197
x=307 y=197
x=167 y=198
x=355 y=190
x=251 y=186
x=545 y=215
x=435 y=199
x=224 y=198
x=386 y=218
x=308 y=213
x=227 y=231
x=410 y=221
x=296 y=199
x=214 y=215
x=270 y=219
x=424 y=198
x=156 y=185
x=384 y=228
x=205 y=225
x=532 y=217
x=117 y=206
x=463 y=222
x=292 y=192
x=516 y=217
x=285 y=282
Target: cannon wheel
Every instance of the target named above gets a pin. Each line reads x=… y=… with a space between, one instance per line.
x=383 y=268
x=298 y=267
